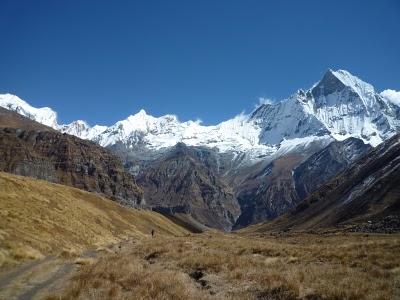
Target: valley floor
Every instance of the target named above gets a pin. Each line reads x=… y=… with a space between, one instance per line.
x=57 y=242
x=213 y=265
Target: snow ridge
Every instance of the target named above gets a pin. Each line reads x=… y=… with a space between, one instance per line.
x=44 y=115
x=339 y=106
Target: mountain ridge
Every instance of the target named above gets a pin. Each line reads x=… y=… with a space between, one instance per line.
x=338 y=106
x=249 y=168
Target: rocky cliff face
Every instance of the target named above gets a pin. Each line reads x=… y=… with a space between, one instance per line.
x=267 y=193
x=43 y=153
x=273 y=189
x=366 y=194
x=327 y=163
x=184 y=181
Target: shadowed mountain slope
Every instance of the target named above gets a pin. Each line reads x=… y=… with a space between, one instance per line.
x=183 y=181
x=367 y=192
x=272 y=189
x=325 y=164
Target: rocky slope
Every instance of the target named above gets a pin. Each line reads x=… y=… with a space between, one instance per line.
x=268 y=193
x=367 y=194
x=184 y=181
x=277 y=187
x=12 y=119
x=325 y=164
x=31 y=149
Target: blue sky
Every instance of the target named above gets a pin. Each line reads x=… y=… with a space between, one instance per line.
x=102 y=61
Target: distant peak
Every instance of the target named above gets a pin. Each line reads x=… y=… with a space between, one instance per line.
x=345 y=77
x=335 y=81
x=44 y=115
x=329 y=71
x=80 y=122
x=338 y=74
x=142 y=112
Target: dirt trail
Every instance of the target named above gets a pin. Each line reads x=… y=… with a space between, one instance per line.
x=40 y=278
x=45 y=286
x=9 y=277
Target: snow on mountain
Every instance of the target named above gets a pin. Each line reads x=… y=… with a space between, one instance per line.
x=42 y=115
x=348 y=106
x=236 y=135
x=285 y=120
x=82 y=129
x=339 y=106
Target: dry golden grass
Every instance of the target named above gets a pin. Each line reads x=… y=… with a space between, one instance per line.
x=232 y=266
x=38 y=218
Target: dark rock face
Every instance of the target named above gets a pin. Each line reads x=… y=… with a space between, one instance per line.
x=268 y=193
x=325 y=164
x=328 y=85
x=183 y=180
x=282 y=184
x=46 y=154
x=366 y=193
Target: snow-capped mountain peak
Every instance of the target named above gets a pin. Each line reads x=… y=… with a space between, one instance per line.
x=337 y=81
x=44 y=115
x=82 y=129
x=361 y=87
x=338 y=106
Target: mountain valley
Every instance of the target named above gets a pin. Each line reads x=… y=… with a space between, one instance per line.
x=299 y=199
x=246 y=170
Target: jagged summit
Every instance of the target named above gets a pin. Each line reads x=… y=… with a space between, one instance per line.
x=339 y=106
x=337 y=81
x=329 y=84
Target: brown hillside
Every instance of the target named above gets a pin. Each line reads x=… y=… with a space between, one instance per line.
x=39 y=218
x=30 y=149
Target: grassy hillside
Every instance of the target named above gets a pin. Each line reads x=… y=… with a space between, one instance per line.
x=39 y=218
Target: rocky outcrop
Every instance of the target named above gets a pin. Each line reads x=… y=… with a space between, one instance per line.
x=40 y=152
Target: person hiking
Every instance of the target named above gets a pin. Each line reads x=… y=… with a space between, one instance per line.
x=152 y=233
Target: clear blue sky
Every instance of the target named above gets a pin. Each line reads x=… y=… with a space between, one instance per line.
x=101 y=61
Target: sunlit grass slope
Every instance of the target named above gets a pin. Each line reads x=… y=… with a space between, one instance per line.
x=39 y=218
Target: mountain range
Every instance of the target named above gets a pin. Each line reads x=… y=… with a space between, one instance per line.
x=250 y=168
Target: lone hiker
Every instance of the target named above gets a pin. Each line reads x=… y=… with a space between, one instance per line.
x=152 y=233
